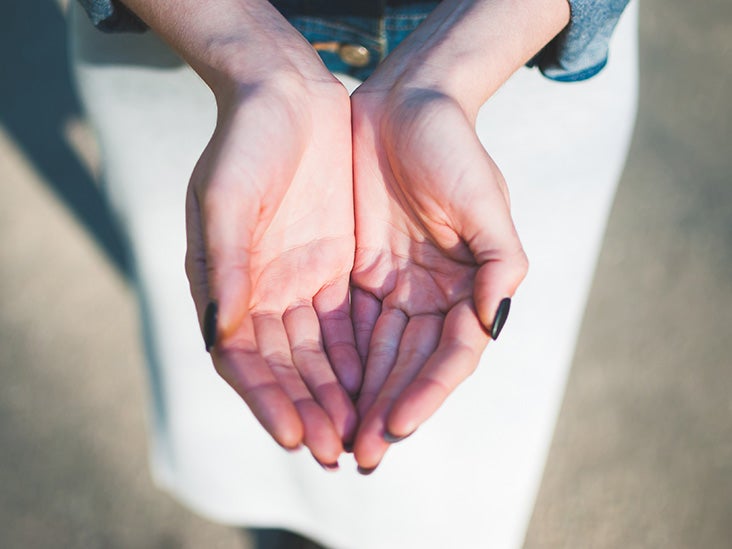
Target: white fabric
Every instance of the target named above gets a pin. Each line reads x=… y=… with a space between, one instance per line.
x=469 y=476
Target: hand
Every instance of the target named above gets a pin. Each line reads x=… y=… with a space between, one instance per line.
x=269 y=218
x=436 y=252
x=271 y=242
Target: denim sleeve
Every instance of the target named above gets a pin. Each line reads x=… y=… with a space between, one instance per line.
x=580 y=51
x=112 y=16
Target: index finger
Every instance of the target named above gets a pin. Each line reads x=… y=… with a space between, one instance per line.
x=241 y=365
x=461 y=344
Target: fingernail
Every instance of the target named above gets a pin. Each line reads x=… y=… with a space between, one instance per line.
x=293 y=449
x=366 y=470
x=210 y=319
x=330 y=466
x=501 y=315
x=388 y=437
x=348 y=447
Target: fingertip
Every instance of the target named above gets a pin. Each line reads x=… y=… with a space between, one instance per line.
x=210 y=325
x=327 y=457
x=370 y=445
x=277 y=414
x=493 y=316
x=366 y=471
x=340 y=410
x=414 y=407
x=288 y=432
x=232 y=307
x=499 y=319
x=495 y=284
x=320 y=434
x=290 y=438
x=400 y=424
x=330 y=467
x=392 y=438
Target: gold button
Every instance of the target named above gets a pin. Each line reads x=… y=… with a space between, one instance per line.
x=354 y=55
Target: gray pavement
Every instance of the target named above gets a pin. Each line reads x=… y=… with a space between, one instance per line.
x=642 y=455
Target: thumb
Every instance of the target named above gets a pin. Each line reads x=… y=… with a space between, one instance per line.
x=495 y=284
x=217 y=262
x=491 y=236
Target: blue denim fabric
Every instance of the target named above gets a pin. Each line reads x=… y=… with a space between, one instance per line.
x=581 y=49
x=112 y=16
x=579 y=52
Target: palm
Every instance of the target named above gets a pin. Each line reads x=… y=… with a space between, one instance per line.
x=421 y=260
x=271 y=236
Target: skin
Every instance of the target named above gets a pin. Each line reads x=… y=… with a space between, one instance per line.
x=302 y=192
x=436 y=249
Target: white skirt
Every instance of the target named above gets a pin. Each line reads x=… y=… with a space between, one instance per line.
x=469 y=476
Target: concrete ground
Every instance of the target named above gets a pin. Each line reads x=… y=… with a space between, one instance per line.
x=642 y=455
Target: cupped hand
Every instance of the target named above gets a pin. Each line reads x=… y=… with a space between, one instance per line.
x=436 y=256
x=271 y=245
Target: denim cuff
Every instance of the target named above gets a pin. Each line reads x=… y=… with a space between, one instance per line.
x=580 y=51
x=112 y=16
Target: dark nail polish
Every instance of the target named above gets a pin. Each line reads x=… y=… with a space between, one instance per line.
x=348 y=447
x=501 y=315
x=210 y=320
x=330 y=466
x=388 y=437
x=366 y=471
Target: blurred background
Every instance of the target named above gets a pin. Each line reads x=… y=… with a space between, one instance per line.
x=642 y=455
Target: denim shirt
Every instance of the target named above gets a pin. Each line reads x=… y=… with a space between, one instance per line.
x=579 y=52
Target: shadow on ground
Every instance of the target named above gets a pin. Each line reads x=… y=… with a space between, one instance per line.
x=37 y=101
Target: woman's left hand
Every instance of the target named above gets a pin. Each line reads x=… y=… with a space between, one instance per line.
x=436 y=254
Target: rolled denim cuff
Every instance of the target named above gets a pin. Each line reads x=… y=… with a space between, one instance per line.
x=580 y=51
x=112 y=16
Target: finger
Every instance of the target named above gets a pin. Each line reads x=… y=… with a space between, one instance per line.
x=319 y=435
x=225 y=219
x=303 y=332
x=456 y=357
x=419 y=341
x=333 y=310
x=239 y=184
x=485 y=223
x=241 y=365
x=365 y=309
x=495 y=282
x=382 y=355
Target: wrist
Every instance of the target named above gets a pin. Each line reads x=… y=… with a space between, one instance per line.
x=269 y=52
x=232 y=44
x=466 y=49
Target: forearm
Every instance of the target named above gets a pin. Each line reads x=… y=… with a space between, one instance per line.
x=230 y=43
x=468 y=48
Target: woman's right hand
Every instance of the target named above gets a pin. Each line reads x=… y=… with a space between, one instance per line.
x=269 y=218
x=271 y=241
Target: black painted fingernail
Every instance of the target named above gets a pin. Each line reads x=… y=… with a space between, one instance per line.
x=388 y=437
x=330 y=466
x=501 y=315
x=348 y=447
x=210 y=319
x=366 y=470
